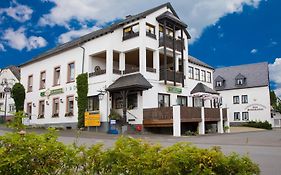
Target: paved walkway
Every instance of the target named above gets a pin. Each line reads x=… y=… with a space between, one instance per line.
x=244 y=129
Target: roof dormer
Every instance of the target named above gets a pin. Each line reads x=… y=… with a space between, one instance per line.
x=219 y=81
x=240 y=80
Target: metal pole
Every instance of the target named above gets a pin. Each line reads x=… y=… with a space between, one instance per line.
x=5 y=112
x=83 y=59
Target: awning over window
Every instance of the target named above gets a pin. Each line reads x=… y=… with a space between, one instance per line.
x=130 y=82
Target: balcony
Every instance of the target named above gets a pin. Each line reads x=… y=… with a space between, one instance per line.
x=170 y=76
x=190 y=114
x=169 y=43
x=158 y=117
x=212 y=114
x=97 y=72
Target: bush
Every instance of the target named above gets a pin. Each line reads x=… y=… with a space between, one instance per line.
x=82 y=92
x=18 y=94
x=259 y=124
x=31 y=153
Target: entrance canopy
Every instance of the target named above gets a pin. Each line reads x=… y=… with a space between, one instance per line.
x=134 y=82
x=201 y=90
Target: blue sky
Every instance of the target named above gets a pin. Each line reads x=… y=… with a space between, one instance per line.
x=224 y=33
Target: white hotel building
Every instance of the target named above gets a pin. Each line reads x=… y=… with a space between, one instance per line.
x=140 y=64
x=245 y=92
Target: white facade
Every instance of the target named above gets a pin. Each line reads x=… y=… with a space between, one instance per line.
x=7 y=79
x=257 y=105
x=109 y=53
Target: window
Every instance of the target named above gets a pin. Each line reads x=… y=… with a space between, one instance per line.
x=29 y=83
x=236 y=116
x=190 y=72
x=69 y=106
x=131 y=31
x=239 y=81
x=117 y=101
x=169 y=31
x=203 y=75
x=93 y=103
x=132 y=101
x=41 y=109
x=57 y=76
x=197 y=72
x=218 y=84
x=12 y=108
x=182 y=100
x=198 y=102
x=244 y=99
x=43 y=80
x=209 y=77
x=150 y=30
x=71 y=72
x=236 y=100
x=29 y=110
x=56 y=107
x=245 y=116
x=2 y=95
x=163 y=100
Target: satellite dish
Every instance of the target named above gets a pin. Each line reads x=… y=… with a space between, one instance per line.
x=97 y=68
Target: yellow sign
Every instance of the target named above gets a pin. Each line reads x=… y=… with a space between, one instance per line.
x=92 y=119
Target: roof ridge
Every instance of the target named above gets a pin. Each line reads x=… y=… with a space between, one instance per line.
x=242 y=65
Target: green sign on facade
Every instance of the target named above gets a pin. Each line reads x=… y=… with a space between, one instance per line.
x=173 y=89
x=51 y=92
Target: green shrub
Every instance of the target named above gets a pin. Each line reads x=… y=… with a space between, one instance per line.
x=18 y=94
x=82 y=92
x=28 y=154
x=259 y=124
x=16 y=122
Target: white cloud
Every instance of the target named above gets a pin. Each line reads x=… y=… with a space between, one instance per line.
x=72 y=34
x=275 y=75
x=18 y=40
x=2 y=48
x=197 y=14
x=17 y=11
x=253 y=51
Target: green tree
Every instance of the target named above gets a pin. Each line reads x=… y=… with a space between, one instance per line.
x=82 y=91
x=273 y=102
x=18 y=94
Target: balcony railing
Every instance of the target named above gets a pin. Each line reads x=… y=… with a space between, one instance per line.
x=190 y=114
x=169 y=43
x=130 y=35
x=170 y=76
x=163 y=113
x=96 y=73
x=150 y=69
x=212 y=114
x=116 y=71
x=131 y=70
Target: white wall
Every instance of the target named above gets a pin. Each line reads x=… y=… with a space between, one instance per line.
x=258 y=96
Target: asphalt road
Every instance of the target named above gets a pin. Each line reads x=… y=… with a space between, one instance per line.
x=264 y=147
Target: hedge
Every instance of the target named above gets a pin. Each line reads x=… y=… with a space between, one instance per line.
x=259 y=124
x=30 y=153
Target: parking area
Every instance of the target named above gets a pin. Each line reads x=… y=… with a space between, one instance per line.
x=264 y=147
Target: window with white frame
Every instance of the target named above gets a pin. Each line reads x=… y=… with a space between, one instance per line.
x=245 y=116
x=236 y=100
x=244 y=99
x=236 y=116
x=150 y=30
x=93 y=103
x=239 y=81
x=197 y=74
x=198 y=102
x=203 y=76
x=29 y=110
x=218 y=84
x=182 y=100
x=209 y=75
x=12 y=108
x=190 y=72
x=43 y=80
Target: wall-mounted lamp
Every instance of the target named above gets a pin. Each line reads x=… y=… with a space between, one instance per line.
x=101 y=94
x=47 y=102
x=61 y=100
x=76 y=98
x=34 y=105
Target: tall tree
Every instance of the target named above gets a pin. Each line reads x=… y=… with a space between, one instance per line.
x=18 y=94
x=82 y=92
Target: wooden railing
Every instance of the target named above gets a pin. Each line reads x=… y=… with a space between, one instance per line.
x=158 y=113
x=170 y=75
x=169 y=43
x=190 y=114
x=212 y=114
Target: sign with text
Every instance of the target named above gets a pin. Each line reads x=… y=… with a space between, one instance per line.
x=173 y=89
x=51 y=92
x=255 y=107
x=92 y=119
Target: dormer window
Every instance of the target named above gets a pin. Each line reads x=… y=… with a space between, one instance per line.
x=131 y=31
x=240 y=80
x=218 y=84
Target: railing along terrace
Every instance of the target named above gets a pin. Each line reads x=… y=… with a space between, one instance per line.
x=169 y=43
x=190 y=114
x=158 y=113
x=212 y=114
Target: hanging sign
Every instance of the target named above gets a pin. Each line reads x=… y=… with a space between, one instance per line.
x=173 y=89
